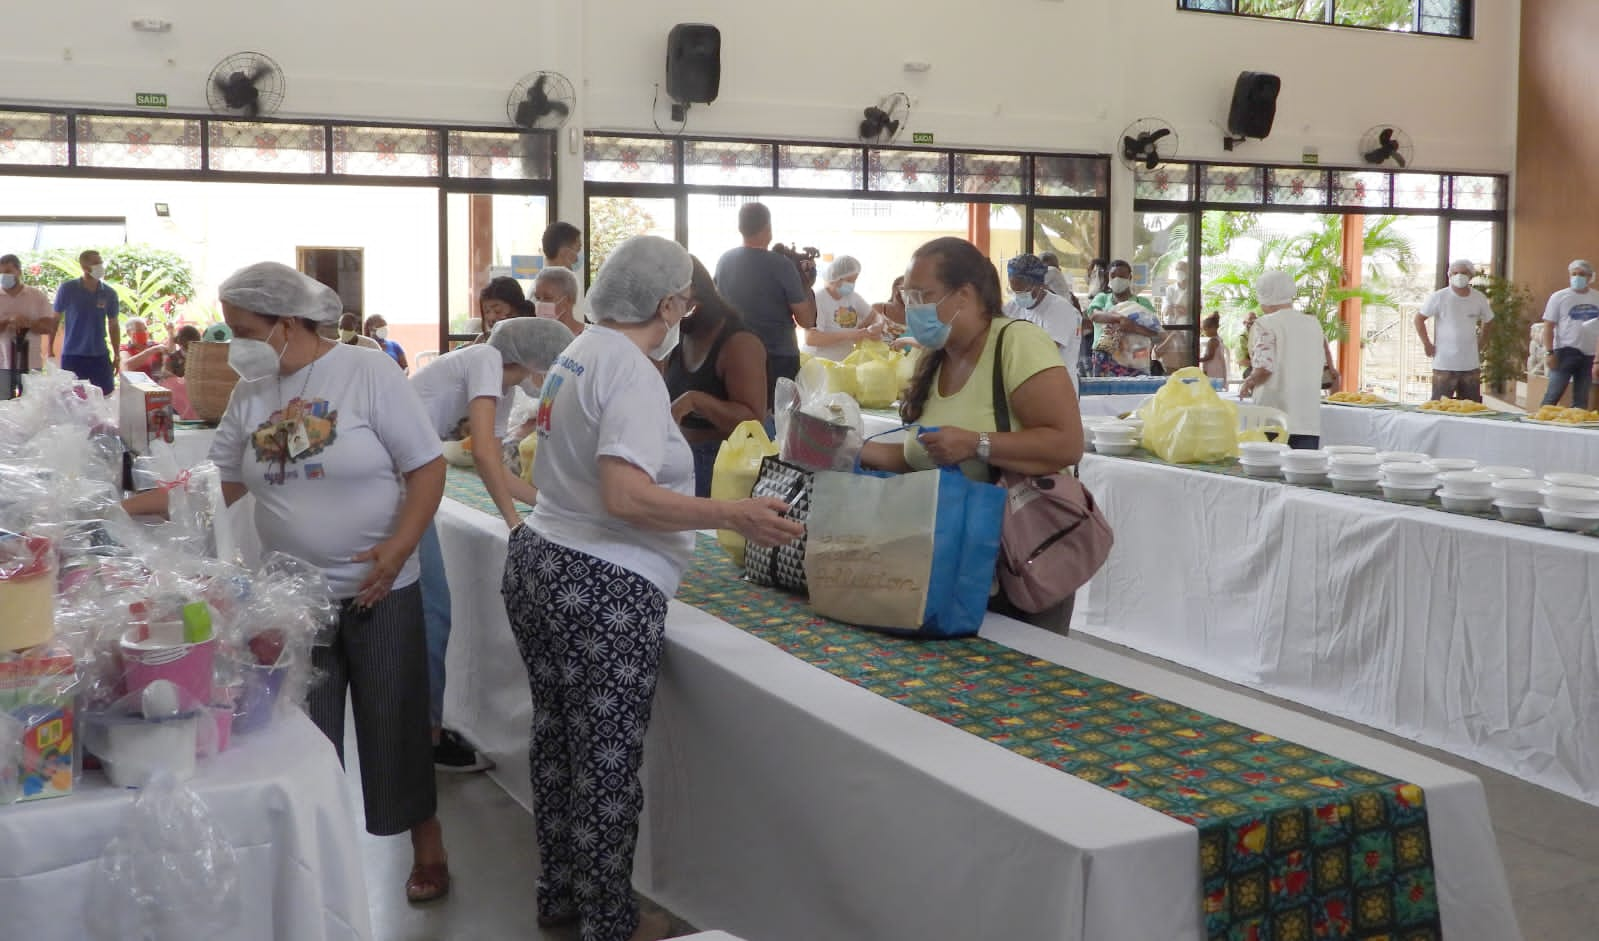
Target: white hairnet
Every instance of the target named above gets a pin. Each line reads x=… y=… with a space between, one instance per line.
x=842 y=267
x=563 y=279
x=276 y=290
x=1465 y=263
x=533 y=342
x=1274 y=288
x=641 y=273
x=1579 y=263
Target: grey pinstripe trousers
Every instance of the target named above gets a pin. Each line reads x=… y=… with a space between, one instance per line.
x=380 y=657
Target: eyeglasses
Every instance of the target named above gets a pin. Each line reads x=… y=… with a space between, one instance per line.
x=912 y=297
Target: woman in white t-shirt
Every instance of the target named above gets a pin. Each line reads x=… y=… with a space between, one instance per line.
x=843 y=317
x=334 y=445
x=468 y=394
x=591 y=572
x=1288 y=354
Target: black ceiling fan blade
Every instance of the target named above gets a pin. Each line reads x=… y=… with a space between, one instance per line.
x=1152 y=159
x=1399 y=158
x=1156 y=135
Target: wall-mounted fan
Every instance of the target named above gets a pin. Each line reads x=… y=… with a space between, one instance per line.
x=1383 y=145
x=882 y=123
x=246 y=85
x=1147 y=143
x=541 y=101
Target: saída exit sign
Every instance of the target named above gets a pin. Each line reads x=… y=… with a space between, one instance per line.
x=922 y=137
x=150 y=99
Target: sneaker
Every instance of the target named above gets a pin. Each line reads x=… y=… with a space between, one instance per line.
x=453 y=754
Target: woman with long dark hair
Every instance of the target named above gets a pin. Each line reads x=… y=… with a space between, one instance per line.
x=716 y=376
x=952 y=308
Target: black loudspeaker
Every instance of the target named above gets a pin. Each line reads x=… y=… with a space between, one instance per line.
x=1254 y=107
x=694 y=63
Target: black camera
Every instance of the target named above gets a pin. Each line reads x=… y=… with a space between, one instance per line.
x=804 y=259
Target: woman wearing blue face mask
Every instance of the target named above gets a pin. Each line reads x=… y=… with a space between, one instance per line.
x=952 y=308
x=1033 y=302
x=843 y=317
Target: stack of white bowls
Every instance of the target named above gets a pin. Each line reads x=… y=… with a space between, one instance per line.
x=1571 y=502
x=1354 y=473
x=1089 y=424
x=1336 y=449
x=1115 y=438
x=1304 y=467
x=1262 y=458
x=1403 y=457
x=1467 y=491
x=1503 y=472
x=1409 y=481
x=1448 y=465
x=1519 y=499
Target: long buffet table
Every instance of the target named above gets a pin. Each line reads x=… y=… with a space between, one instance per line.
x=785 y=803
x=1468 y=634
x=1498 y=440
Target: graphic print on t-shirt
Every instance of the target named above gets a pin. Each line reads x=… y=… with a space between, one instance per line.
x=1582 y=313
x=552 y=388
x=272 y=439
x=846 y=317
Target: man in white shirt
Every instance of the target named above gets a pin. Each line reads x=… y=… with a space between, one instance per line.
x=1035 y=303
x=1460 y=311
x=25 y=318
x=1571 y=335
x=1289 y=351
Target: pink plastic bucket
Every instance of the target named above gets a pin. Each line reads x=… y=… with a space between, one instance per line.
x=188 y=666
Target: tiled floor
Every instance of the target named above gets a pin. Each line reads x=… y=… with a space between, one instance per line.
x=1549 y=843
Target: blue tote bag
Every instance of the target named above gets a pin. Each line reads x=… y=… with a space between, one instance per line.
x=911 y=554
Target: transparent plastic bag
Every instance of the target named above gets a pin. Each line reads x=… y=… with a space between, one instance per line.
x=169 y=875
x=817 y=429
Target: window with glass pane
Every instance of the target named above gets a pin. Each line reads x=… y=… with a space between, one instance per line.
x=1436 y=17
x=1074 y=235
x=245 y=147
x=908 y=171
x=385 y=151
x=727 y=163
x=33 y=139
x=501 y=155
x=1444 y=17
x=628 y=160
x=990 y=174
x=1418 y=191
x=1483 y=193
x=1298 y=187
x=1358 y=189
x=1172 y=182
x=1071 y=176
x=1233 y=185
x=820 y=168
x=138 y=143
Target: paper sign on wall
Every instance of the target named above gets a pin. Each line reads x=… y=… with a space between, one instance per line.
x=526 y=266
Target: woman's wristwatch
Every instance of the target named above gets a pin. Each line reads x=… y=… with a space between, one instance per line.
x=985 y=447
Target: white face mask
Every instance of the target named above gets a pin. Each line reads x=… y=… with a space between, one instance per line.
x=673 y=335
x=382 y=333
x=1460 y=281
x=546 y=309
x=1120 y=285
x=254 y=360
x=97 y=272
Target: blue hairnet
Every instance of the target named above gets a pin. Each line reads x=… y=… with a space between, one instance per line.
x=641 y=273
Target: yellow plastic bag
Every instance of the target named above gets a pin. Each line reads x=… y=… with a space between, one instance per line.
x=526 y=451
x=1189 y=423
x=841 y=378
x=738 y=463
x=879 y=386
x=905 y=370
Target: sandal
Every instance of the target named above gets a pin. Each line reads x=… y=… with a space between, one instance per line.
x=429 y=882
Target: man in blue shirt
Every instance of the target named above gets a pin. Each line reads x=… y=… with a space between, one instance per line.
x=88 y=307
x=767 y=289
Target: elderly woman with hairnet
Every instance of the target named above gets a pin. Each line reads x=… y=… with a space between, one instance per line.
x=843 y=317
x=589 y=576
x=1290 y=357
x=335 y=446
x=468 y=394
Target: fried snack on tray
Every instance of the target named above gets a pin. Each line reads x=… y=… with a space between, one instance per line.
x=1455 y=407
x=1565 y=416
x=1357 y=398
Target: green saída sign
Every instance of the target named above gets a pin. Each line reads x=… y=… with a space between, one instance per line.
x=922 y=137
x=150 y=99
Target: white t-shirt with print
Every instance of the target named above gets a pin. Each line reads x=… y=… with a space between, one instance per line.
x=365 y=427
x=450 y=383
x=1576 y=320
x=604 y=398
x=1292 y=347
x=1060 y=319
x=849 y=313
x=1455 y=335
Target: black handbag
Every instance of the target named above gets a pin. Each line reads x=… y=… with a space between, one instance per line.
x=784 y=566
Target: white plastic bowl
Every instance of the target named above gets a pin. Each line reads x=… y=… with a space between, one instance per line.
x=1403 y=457
x=1519 y=514
x=1506 y=472
x=1447 y=465
x=1305 y=478
x=1407 y=494
x=1571 y=522
x=1261 y=470
x=1406 y=473
x=1572 y=500
x=1304 y=460
x=1349 y=449
x=1584 y=481
x=1260 y=451
x=1464 y=504
x=1473 y=484
x=1519 y=492
x=1354 y=461
x=1116 y=449
x=1344 y=484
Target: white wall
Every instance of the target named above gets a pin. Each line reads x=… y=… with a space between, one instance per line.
x=1038 y=74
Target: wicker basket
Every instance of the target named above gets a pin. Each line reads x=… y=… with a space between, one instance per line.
x=210 y=380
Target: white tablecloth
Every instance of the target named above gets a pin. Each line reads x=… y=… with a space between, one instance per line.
x=786 y=804
x=279 y=797
x=1544 y=448
x=1470 y=635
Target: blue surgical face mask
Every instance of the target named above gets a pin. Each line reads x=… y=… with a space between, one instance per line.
x=8 y=281
x=846 y=288
x=925 y=327
x=1579 y=282
x=577 y=263
x=1024 y=300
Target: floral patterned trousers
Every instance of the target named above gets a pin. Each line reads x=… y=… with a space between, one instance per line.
x=590 y=634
